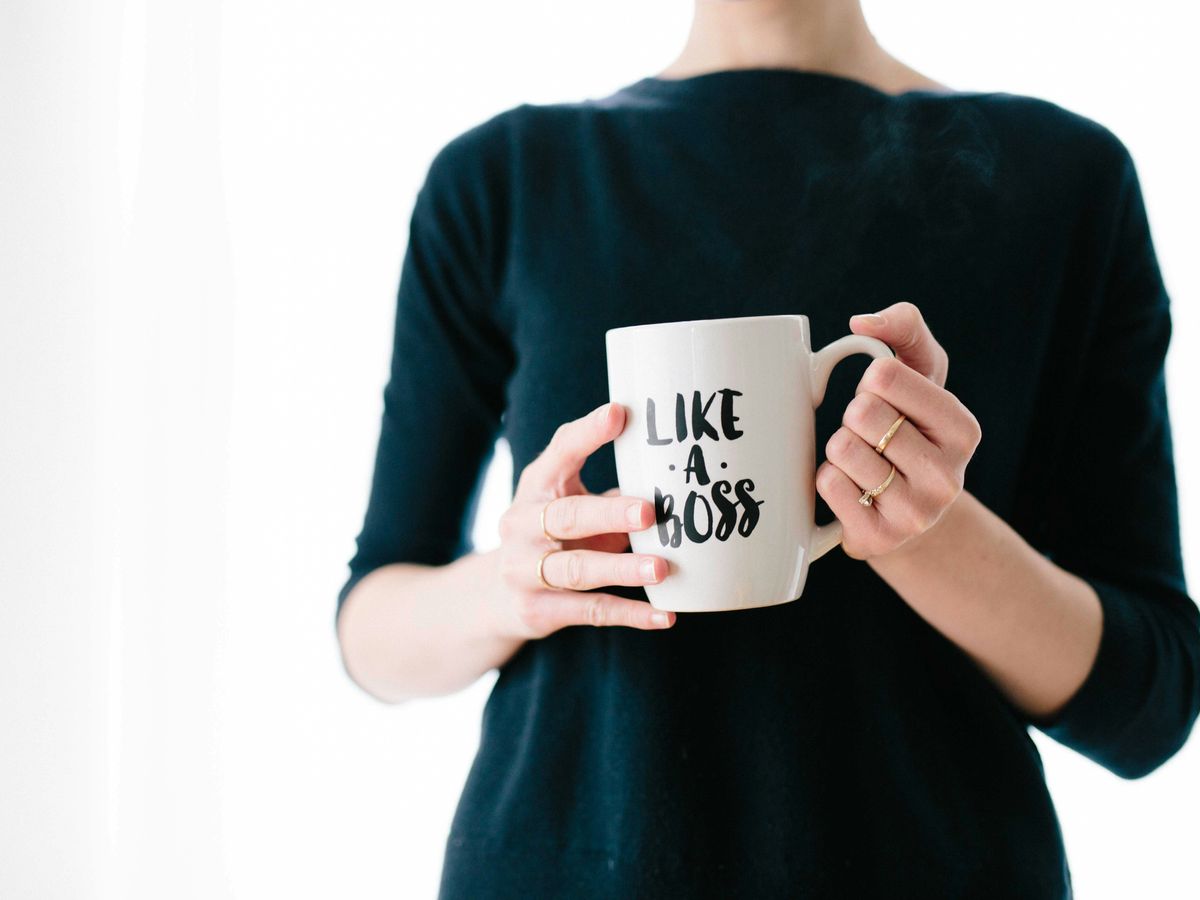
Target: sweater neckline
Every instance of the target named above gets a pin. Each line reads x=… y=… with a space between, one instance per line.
x=765 y=82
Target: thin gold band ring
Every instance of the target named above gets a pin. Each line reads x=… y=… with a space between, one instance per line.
x=891 y=433
x=542 y=519
x=541 y=577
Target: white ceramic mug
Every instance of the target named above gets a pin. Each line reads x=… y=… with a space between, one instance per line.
x=720 y=435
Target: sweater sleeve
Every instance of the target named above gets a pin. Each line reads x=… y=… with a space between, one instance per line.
x=450 y=361
x=1116 y=523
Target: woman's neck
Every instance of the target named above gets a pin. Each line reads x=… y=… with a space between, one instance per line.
x=823 y=35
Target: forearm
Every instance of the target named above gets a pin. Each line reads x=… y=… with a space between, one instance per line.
x=1033 y=627
x=409 y=630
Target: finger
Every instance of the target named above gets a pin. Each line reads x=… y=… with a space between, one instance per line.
x=582 y=515
x=867 y=469
x=582 y=570
x=902 y=327
x=573 y=442
x=934 y=410
x=841 y=494
x=870 y=416
x=557 y=609
x=610 y=542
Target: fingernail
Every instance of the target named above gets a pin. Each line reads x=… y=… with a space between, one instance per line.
x=604 y=412
x=633 y=514
x=661 y=619
x=870 y=318
x=648 y=570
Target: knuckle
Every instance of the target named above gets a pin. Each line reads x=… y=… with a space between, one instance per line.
x=615 y=515
x=882 y=373
x=964 y=423
x=838 y=444
x=574 y=569
x=860 y=411
x=564 y=516
x=974 y=431
x=596 y=612
x=826 y=477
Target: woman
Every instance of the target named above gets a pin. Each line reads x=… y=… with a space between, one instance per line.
x=870 y=739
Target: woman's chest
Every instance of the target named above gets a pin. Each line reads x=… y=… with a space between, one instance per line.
x=623 y=264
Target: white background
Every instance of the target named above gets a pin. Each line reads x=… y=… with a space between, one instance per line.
x=202 y=214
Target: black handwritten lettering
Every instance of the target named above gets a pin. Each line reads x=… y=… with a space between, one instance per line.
x=695 y=535
x=672 y=527
x=700 y=424
x=749 y=505
x=701 y=427
x=666 y=520
x=727 y=416
x=651 y=429
x=695 y=466
x=732 y=506
x=727 y=510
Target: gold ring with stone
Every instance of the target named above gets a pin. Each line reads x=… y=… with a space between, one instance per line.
x=891 y=433
x=868 y=497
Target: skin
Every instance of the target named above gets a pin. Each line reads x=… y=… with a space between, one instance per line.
x=1033 y=628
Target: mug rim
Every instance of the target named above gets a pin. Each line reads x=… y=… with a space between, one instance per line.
x=714 y=321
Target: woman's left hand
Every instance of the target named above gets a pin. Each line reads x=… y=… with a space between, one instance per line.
x=930 y=450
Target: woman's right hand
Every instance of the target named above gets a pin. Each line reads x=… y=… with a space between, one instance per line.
x=592 y=532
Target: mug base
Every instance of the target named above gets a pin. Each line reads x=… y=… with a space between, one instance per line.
x=687 y=608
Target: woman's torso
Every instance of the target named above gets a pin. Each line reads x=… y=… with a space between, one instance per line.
x=835 y=746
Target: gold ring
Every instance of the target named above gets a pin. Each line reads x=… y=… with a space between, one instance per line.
x=540 y=576
x=542 y=519
x=891 y=433
x=868 y=497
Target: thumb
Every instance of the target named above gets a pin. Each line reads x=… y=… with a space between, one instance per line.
x=902 y=327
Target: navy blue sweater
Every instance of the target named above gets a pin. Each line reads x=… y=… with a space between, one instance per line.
x=838 y=746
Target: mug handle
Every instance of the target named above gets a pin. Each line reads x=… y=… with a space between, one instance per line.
x=826 y=537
